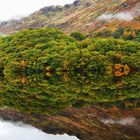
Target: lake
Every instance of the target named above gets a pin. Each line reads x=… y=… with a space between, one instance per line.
x=70 y=106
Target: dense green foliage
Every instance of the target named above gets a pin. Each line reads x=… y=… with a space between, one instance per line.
x=124 y=33
x=42 y=94
x=48 y=70
x=41 y=50
x=78 y=36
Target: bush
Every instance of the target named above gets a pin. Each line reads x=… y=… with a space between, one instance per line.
x=78 y=36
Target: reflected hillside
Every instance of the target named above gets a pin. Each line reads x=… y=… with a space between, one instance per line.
x=83 y=105
x=43 y=94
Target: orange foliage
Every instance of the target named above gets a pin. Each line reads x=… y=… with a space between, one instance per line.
x=23 y=64
x=24 y=80
x=121 y=70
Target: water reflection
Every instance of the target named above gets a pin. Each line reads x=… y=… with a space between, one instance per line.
x=20 y=131
x=86 y=105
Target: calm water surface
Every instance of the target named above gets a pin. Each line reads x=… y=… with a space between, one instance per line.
x=70 y=107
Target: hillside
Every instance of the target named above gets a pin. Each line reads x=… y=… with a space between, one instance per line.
x=83 y=16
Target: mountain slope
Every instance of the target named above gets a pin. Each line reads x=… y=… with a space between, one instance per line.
x=83 y=16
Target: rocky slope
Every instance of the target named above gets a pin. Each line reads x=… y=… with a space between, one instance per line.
x=83 y=16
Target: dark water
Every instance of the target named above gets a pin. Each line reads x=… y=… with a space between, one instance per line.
x=88 y=106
